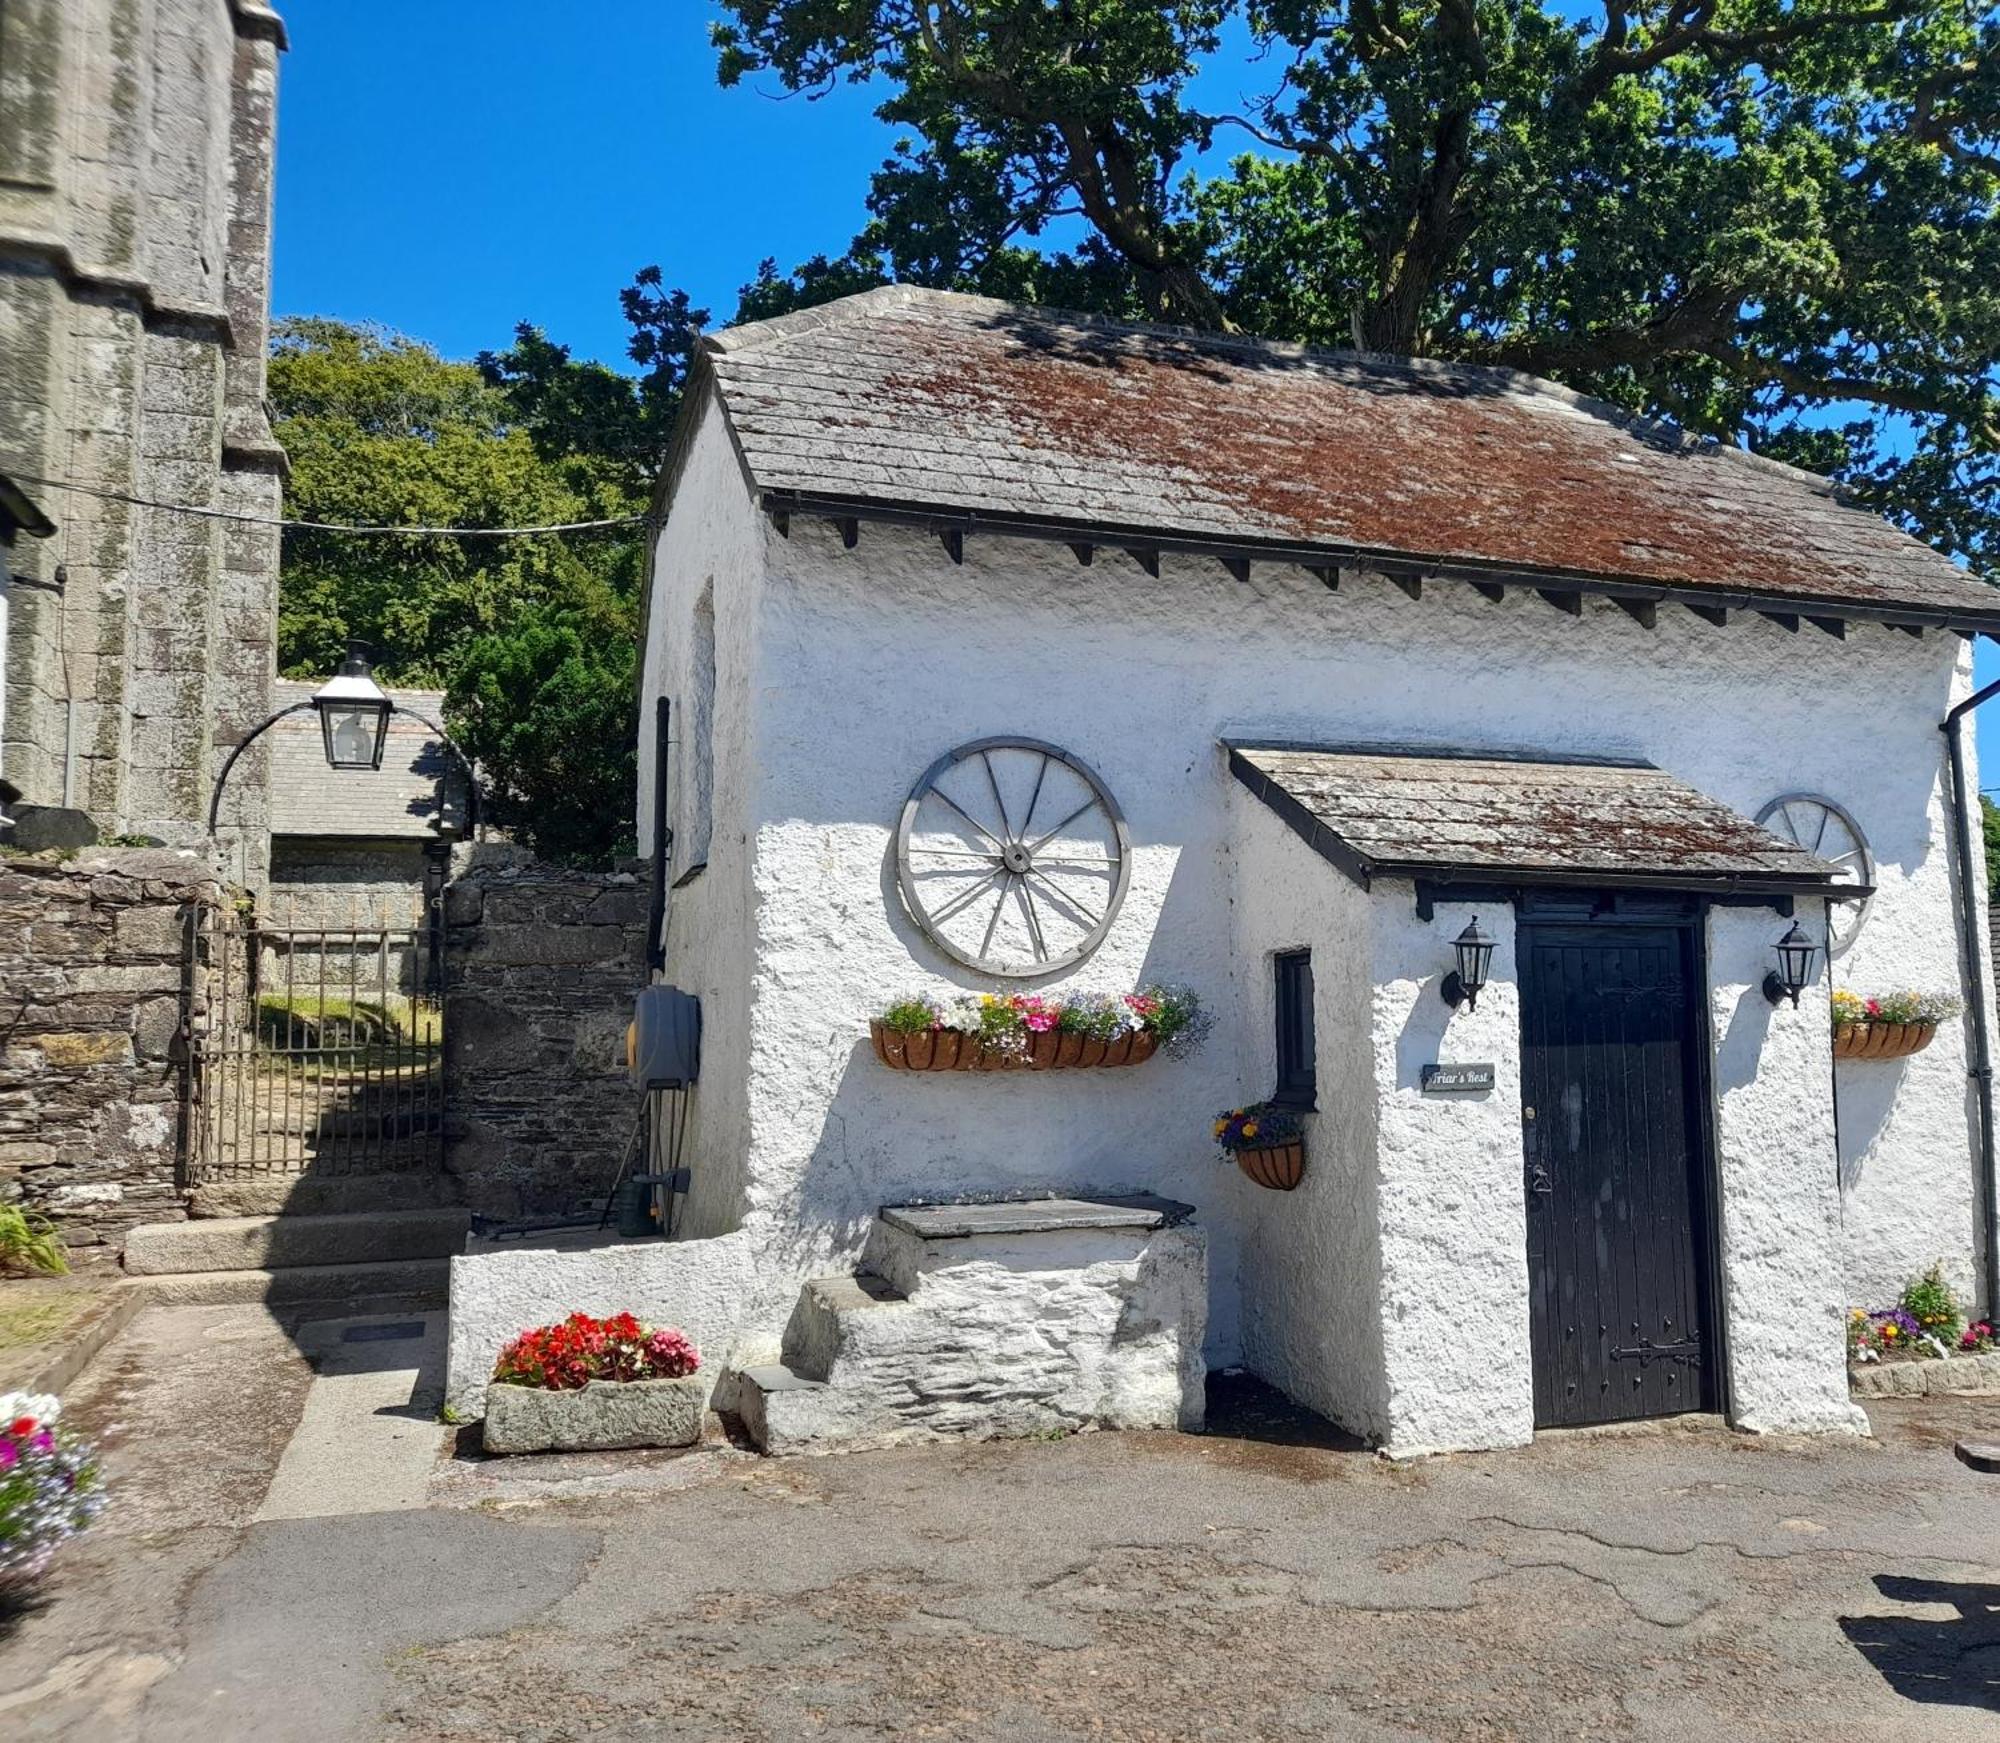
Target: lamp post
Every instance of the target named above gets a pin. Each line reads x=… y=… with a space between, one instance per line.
x=353 y=715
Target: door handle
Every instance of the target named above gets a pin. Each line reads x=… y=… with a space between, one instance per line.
x=1538 y=1179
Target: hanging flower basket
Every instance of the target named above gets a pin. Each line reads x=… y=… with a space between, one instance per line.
x=1893 y=1026
x=1036 y=1032
x=1266 y=1142
x=1280 y=1167
x=1881 y=1040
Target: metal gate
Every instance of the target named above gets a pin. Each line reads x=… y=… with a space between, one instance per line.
x=313 y=1049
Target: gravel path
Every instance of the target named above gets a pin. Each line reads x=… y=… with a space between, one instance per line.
x=1264 y=1581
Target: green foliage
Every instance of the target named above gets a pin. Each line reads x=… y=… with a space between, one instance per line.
x=380 y=429
x=1929 y=1301
x=547 y=710
x=1770 y=221
x=1989 y=824
x=30 y=1244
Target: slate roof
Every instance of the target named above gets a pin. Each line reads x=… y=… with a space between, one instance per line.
x=397 y=801
x=1447 y=817
x=960 y=406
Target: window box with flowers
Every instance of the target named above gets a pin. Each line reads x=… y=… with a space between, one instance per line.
x=1893 y=1026
x=590 y=1385
x=1266 y=1142
x=1036 y=1031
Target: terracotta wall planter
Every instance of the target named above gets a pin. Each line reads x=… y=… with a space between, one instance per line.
x=602 y=1415
x=1277 y=1166
x=953 y=1050
x=1882 y=1040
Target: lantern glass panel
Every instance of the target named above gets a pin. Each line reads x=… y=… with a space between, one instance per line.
x=1475 y=957
x=354 y=732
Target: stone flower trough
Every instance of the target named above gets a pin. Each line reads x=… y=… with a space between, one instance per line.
x=585 y=1384
x=601 y=1416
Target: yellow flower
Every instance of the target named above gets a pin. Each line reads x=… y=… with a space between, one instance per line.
x=1249 y=1128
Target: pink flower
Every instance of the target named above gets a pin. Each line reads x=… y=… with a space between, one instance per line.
x=44 y=1442
x=7 y=1455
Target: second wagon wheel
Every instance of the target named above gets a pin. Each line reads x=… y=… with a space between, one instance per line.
x=1012 y=856
x=1826 y=830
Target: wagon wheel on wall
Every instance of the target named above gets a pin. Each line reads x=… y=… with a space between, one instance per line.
x=1011 y=856
x=1827 y=831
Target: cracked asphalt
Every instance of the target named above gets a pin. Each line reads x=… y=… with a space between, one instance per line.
x=1263 y=1581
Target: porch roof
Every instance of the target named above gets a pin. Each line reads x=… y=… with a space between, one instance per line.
x=1443 y=816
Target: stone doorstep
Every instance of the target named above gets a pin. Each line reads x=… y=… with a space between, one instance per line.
x=1937 y=1377
x=254 y=1243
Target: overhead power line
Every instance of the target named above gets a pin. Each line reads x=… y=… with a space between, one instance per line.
x=321 y=526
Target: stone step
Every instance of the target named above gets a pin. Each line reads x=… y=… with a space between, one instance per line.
x=824 y=1320
x=784 y=1412
x=324 y=1194
x=261 y=1243
x=400 y=1285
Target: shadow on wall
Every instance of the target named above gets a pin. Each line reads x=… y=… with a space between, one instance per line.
x=1937 y=1662
x=1863 y=1101
x=1741 y=1047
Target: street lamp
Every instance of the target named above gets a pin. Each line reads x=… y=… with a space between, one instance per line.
x=353 y=713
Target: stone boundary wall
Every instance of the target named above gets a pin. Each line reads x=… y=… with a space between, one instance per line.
x=90 y=1007
x=1925 y=1377
x=542 y=966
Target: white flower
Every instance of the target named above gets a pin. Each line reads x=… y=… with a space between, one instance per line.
x=44 y=1407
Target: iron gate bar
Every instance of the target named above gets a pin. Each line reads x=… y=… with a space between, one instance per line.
x=327 y=1076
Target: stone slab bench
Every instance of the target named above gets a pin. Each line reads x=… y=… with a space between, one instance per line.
x=1035 y=1216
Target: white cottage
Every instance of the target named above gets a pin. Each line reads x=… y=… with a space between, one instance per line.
x=1006 y=650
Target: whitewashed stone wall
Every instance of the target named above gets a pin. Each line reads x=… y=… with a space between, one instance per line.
x=842 y=674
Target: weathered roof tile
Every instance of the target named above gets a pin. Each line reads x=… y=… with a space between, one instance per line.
x=925 y=400
x=1428 y=814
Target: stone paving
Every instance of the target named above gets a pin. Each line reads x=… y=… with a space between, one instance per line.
x=1266 y=1580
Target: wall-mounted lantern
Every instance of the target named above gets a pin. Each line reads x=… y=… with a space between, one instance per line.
x=1475 y=957
x=353 y=713
x=1794 y=973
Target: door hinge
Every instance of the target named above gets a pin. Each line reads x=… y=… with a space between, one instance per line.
x=1645 y=1350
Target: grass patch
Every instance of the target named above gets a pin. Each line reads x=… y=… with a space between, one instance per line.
x=41 y=1320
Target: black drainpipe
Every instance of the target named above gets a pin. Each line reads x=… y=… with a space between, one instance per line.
x=1981 y=1068
x=663 y=840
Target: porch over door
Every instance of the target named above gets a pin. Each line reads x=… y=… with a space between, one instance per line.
x=1616 y=1173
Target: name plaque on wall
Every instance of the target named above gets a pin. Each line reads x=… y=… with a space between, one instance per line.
x=1456 y=1079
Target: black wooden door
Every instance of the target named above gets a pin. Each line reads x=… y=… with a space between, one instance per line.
x=1617 y=1174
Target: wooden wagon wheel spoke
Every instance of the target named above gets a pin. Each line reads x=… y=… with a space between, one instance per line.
x=1058 y=893
x=1021 y=930
x=1825 y=829
x=940 y=793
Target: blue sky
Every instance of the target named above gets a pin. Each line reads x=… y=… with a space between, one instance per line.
x=449 y=168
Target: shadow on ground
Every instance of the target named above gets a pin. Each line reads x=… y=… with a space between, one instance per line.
x=1951 y=1660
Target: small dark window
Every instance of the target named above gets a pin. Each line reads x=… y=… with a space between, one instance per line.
x=1294 y=977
